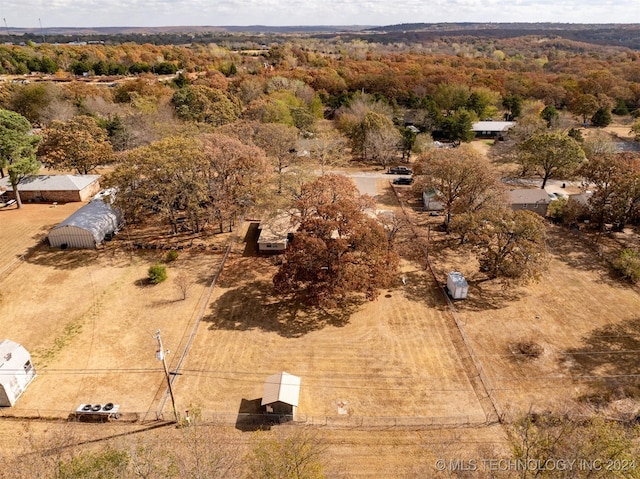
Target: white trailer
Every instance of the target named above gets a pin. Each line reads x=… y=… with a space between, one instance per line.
x=457 y=286
x=16 y=372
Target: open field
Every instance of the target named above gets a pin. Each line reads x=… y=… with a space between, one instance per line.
x=87 y=317
x=390 y=357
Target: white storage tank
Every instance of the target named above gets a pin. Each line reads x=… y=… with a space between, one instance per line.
x=457 y=286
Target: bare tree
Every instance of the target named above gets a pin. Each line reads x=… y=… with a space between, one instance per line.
x=183 y=285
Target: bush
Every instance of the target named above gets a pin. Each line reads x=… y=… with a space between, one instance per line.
x=157 y=273
x=171 y=256
x=628 y=265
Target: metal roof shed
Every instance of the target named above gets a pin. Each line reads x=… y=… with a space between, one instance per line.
x=281 y=393
x=87 y=227
x=16 y=372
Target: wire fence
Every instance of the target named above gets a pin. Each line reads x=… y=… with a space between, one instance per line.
x=485 y=391
x=250 y=421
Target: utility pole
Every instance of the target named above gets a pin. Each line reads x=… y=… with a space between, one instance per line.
x=42 y=31
x=160 y=355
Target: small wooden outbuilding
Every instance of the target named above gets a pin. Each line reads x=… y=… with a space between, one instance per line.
x=281 y=394
x=16 y=372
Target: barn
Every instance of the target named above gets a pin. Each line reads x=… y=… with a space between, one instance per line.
x=281 y=394
x=87 y=227
x=54 y=188
x=16 y=372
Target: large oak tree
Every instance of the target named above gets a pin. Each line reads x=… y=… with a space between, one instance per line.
x=339 y=250
x=79 y=144
x=462 y=180
x=550 y=155
x=509 y=244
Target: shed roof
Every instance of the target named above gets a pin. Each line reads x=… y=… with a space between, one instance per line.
x=529 y=196
x=52 y=182
x=276 y=229
x=492 y=125
x=97 y=217
x=281 y=387
x=12 y=354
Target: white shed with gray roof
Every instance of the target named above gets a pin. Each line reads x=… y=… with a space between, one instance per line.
x=87 y=227
x=281 y=393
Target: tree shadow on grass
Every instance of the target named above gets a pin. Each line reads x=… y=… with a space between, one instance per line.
x=570 y=247
x=62 y=259
x=419 y=287
x=610 y=352
x=486 y=295
x=256 y=306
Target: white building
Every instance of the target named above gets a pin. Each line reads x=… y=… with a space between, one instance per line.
x=16 y=372
x=87 y=227
x=281 y=394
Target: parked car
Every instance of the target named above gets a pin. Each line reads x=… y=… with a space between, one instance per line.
x=399 y=170
x=403 y=181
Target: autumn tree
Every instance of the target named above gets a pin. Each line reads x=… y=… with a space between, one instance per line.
x=509 y=244
x=79 y=144
x=338 y=249
x=328 y=149
x=462 y=180
x=584 y=104
x=279 y=143
x=206 y=105
x=450 y=97
x=235 y=173
x=616 y=193
x=163 y=180
x=298 y=455
x=538 y=438
x=17 y=149
x=550 y=155
x=32 y=100
x=371 y=132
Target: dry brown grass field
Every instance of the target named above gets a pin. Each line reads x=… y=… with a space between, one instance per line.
x=393 y=366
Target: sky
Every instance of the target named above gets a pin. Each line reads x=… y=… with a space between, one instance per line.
x=156 y=13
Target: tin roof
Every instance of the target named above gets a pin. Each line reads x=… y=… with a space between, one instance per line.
x=529 y=196
x=281 y=387
x=492 y=125
x=52 y=182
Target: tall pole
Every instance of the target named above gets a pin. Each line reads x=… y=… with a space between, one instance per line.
x=160 y=354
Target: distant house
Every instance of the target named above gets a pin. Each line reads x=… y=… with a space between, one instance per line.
x=429 y=202
x=582 y=199
x=281 y=394
x=16 y=372
x=492 y=129
x=275 y=233
x=54 y=188
x=87 y=227
x=532 y=199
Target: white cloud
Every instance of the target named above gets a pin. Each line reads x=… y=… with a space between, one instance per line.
x=88 y=13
